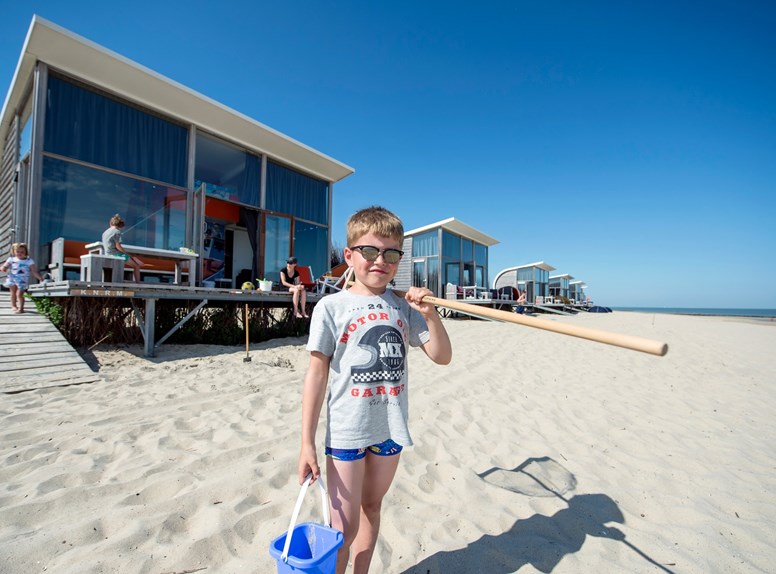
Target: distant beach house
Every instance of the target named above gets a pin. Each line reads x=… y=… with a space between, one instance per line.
x=577 y=291
x=87 y=133
x=447 y=251
x=559 y=286
x=532 y=278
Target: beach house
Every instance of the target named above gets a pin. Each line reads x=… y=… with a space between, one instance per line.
x=577 y=291
x=559 y=286
x=87 y=133
x=532 y=278
x=448 y=251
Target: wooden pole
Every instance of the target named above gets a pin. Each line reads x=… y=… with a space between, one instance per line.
x=247 y=358
x=616 y=339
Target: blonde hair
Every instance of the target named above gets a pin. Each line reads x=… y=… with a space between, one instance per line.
x=22 y=246
x=117 y=221
x=377 y=220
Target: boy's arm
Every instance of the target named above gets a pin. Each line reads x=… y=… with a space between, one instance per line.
x=438 y=347
x=312 y=399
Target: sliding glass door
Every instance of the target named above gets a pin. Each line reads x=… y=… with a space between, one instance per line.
x=277 y=245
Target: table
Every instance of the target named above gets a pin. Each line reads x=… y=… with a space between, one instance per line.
x=179 y=257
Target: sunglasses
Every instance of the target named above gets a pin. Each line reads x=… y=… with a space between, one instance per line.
x=371 y=253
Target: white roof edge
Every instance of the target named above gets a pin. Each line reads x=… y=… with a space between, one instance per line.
x=15 y=76
x=287 y=149
x=539 y=264
x=562 y=276
x=458 y=227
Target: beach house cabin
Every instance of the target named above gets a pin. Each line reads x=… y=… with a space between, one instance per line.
x=87 y=133
x=447 y=251
x=532 y=278
x=559 y=286
x=577 y=291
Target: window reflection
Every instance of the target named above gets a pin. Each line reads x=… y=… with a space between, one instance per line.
x=227 y=171
x=311 y=247
x=277 y=246
x=77 y=203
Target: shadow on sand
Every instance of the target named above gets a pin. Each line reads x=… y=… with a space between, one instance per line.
x=541 y=541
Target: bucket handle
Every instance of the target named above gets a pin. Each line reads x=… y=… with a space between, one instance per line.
x=295 y=515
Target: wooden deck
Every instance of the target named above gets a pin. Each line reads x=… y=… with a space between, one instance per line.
x=34 y=354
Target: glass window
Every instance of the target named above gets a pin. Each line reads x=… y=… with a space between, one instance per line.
x=425 y=244
x=26 y=138
x=277 y=246
x=96 y=129
x=311 y=247
x=296 y=194
x=228 y=172
x=77 y=203
x=451 y=245
x=468 y=251
x=468 y=274
x=213 y=250
x=432 y=270
x=481 y=254
x=419 y=273
x=452 y=273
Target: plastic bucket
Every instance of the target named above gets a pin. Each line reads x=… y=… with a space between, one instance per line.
x=311 y=547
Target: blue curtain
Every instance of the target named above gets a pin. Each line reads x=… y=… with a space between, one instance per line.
x=249 y=187
x=296 y=194
x=425 y=244
x=87 y=126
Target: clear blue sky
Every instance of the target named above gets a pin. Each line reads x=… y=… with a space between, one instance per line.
x=630 y=144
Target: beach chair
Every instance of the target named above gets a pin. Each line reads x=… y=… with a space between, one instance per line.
x=335 y=280
x=306 y=277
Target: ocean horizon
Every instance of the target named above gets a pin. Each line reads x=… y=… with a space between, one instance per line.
x=722 y=312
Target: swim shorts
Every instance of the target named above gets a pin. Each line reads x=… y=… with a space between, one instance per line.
x=385 y=448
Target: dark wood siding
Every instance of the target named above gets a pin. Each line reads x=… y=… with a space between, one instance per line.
x=7 y=187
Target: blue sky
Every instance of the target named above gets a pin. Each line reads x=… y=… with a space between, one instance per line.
x=630 y=144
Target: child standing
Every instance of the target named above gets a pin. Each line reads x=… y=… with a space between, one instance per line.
x=359 y=340
x=20 y=267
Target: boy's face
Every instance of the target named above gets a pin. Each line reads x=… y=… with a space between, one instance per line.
x=373 y=275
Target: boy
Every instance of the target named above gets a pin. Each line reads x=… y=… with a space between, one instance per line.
x=358 y=338
x=111 y=242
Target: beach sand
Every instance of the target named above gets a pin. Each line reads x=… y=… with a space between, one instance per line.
x=534 y=452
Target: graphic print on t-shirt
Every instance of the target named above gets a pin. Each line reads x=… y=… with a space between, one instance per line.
x=387 y=352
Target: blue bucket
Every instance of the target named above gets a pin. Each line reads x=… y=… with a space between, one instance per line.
x=313 y=549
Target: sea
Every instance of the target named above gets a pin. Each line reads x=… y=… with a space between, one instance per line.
x=771 y=313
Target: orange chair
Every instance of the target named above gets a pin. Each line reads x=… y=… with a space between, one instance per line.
x=306 y=277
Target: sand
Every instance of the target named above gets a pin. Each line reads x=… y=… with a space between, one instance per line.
x=535 y=452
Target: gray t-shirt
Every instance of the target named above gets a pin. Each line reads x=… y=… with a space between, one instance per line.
x=366 y=339
x=109 y=238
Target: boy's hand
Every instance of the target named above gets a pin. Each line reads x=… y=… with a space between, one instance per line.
x=415 y=296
